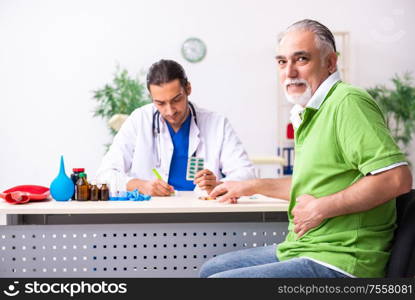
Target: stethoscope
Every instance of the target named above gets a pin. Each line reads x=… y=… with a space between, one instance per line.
x=156 y=131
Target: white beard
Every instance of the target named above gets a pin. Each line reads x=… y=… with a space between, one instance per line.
x=301 y=99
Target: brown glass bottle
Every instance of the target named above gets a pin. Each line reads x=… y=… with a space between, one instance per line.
x=95 y=192
x=82 y=188
x=105 y=193
x=75 y=177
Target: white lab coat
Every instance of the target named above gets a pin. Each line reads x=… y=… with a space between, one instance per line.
x=136 y=150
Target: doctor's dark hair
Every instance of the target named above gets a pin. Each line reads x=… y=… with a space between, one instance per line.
x=165 y=71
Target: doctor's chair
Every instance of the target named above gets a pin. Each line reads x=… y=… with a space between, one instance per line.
x=402 y=260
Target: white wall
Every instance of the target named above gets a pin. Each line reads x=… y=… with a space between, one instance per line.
x=53 y=54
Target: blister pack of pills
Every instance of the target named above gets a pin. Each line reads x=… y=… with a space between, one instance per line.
x=194 y=165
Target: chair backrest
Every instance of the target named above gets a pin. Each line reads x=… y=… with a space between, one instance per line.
x=402 y=260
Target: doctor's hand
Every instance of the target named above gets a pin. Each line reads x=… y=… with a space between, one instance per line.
x=307 y=214
x=155 y=187
x=230 y=191
x=206 y=180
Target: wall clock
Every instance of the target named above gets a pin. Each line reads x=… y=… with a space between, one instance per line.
x=193 y=49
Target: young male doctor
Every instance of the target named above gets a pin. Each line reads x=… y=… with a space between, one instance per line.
x=165 y=133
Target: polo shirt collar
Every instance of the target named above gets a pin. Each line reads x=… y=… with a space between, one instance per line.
x=316 y=100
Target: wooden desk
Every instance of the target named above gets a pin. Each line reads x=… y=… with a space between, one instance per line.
x=163 y=237
x=185 y=202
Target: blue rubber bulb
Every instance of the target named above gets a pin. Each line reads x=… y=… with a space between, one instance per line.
x=62 y=187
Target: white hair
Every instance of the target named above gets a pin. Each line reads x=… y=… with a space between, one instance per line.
x=323 y=37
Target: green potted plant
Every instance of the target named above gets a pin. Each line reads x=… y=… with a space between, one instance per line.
x=118 y=100
x=398 y=105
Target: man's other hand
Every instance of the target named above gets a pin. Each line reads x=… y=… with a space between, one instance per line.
x=230 y=191
x=307 y=214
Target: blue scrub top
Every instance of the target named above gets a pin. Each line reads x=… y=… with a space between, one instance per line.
x=178 y=165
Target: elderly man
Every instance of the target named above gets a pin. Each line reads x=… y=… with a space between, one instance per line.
x=347 y=172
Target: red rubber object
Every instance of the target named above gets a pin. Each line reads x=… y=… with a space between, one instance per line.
x=24 y=193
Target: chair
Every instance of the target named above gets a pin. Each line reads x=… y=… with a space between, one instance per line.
x=402 y=260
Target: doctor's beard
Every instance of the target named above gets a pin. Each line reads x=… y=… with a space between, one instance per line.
x=297 y=98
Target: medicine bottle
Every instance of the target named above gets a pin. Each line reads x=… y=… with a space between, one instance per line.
x=75 y=177
x=95 y=192
x=105 y=193
x=82 y=188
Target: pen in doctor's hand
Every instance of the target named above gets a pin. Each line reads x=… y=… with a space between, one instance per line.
x=157 y=174
x=161 y=178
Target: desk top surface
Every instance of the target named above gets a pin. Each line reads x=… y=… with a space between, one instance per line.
x=184 y=202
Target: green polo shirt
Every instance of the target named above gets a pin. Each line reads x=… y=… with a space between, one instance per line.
x=335 y=146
